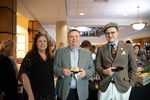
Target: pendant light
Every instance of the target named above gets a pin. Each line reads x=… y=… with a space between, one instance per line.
x=140 y=24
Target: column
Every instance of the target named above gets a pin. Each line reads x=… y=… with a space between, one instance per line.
x=8 y=9
x=61 y=33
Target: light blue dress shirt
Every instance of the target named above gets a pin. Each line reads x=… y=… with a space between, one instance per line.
x=74 y=55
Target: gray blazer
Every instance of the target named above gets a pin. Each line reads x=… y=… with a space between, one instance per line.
x=124 y=58
x=63 y=60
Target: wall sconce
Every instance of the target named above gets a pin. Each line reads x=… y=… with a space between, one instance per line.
x=138 y=25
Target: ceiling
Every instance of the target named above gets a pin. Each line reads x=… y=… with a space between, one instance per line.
x=96 y=13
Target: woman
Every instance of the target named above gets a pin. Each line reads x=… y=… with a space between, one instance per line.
x=36 y=71
x=52 y=49
x=140 y=58
x=8 y=71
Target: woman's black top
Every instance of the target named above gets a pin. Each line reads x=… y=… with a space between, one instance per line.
x=8 y=81
x=41 y=77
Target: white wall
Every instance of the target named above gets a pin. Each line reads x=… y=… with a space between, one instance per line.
x=51 y=30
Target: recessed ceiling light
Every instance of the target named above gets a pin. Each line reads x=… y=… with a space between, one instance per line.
x=81 y=14
x=125 y=14
x=83 y=28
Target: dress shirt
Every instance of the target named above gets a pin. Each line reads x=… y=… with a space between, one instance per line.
x=74 y=55
x=115 y=46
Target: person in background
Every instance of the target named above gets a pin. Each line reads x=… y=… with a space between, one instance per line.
x=52 y=52
x=36 y=71
x=61 y=44
x=70 y=85
x=115 y=62
x=140 y=58
x=94 y=51
x=95 y=79
x=93 y=83
x=52 y=49
x=128 y=42
x=142 y=51
x=86 y=45
x=8 y=71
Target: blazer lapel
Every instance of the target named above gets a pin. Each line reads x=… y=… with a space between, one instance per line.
x=80 y=58
x=119 y=50
x=107 y=52
x=67 y=53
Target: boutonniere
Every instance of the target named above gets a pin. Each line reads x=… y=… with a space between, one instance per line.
x=121 y=48
x=123 y=52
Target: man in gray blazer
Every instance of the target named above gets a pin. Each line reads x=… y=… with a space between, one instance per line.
x=119 y=73
x=70 y=85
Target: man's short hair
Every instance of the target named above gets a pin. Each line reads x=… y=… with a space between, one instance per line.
x=128 y=41
x=73 y=30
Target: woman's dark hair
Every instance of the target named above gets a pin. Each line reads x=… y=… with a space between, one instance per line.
x=33 y=53
x=93 y=47
x=53 y=44
x=128 y=41
x=52 y=52
x=139 y=53
x=86 y=44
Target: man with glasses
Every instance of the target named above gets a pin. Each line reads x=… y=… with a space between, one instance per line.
x=116 y=64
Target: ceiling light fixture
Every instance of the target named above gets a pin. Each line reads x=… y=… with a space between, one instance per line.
x=138 y=25
x=81 y=14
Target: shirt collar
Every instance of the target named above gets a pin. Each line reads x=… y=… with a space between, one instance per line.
x=115 y=44
x=71 y=49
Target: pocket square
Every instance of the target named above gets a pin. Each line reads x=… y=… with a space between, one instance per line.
x=123 y=53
